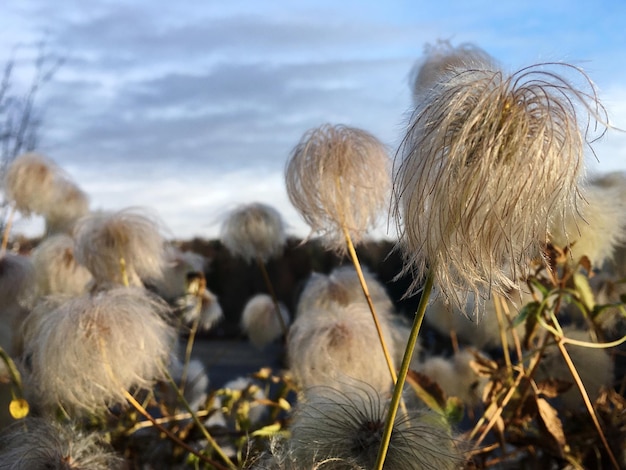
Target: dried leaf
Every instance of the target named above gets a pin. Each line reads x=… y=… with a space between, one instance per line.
x=551 y=388
x=427 y=390
x=551 y=421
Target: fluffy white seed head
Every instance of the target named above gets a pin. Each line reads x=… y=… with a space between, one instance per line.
x=37 y=185
x=254 y=231
x=347 y=424
x=339 y=343
x=487 y=161
x=194 y=382
x=85 y=350
x=342 y=287
x=599 y=224
x=104 y=239
x=56 y=269
x=442 y=60
x=339 y=176
x=456 y=376
x=178 y=267
x=260 y=321
x=16 y=278
x=37 y=444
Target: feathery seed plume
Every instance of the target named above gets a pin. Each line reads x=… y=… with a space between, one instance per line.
x=338 y=177
x=115 y=245
x=479 y=143
x=254 y=231
x=347 y=424
x=259 y=320
x=84 y=350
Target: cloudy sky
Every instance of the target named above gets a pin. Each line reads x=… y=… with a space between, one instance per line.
x=192 y=107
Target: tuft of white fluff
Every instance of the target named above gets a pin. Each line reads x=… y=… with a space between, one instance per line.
x=260 y=322
x=337 y=343
x=56 y=269
x=192 y=380
x=347 y=424
x=37 y=444
x=479 y=142
x=338 y=178
x=104 y=239
x=37 y=185
x=86 y=350
x=254 y=231
x=456 y=377
x=342 y=287
x=598 y=227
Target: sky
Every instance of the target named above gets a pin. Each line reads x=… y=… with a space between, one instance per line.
x=191 y=108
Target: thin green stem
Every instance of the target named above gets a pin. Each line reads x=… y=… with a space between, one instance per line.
x=404 y=369
x=199 y=424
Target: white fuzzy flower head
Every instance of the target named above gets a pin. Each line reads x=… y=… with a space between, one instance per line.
x=487 y=161
x=440 y=60
x=338 y=176
x=347 y=424
x=342 y=287
x=86 y=350
x=105 y=240
x=37 y=185
x=339 y=342
x=598 y=226
x=260 y=322
x=56 y=269
x=37 y=444
x=254 y=231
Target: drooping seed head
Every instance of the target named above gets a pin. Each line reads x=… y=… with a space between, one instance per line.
x=260 y=322
x=338 y=176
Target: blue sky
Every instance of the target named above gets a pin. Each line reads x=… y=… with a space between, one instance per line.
x=191 y=108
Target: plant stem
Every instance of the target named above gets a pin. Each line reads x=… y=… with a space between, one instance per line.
x=368 y=298
x=199 y=424
x=588 y=404
x=404 y=369
x=270 y=289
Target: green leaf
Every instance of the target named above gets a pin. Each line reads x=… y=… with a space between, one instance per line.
x=531 y=309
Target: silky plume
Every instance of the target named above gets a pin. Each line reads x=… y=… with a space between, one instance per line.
x=342 y=287
x=37 y=185
x=38 y=444
x=120 y=248
x=338 y=178
x=56 y=269
x=345 y=424
x=85 y=351
x=598 y=226
x=336 y=343
x=478 y=143
x=259 y=320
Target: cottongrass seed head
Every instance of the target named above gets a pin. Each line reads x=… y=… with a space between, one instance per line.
x=260 y=322
x=38 y=444
x=347 y=422
x=84 y=351
x=37 y=185
x=254 y=231
x=487 y=161
x=104 y=239
x=56 y=269
x=339 y=176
